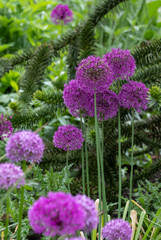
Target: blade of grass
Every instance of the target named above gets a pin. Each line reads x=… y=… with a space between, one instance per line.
x=140 y=225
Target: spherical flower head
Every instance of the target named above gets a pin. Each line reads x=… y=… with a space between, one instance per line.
x=5 y=127
x=134 y=95
x=122 y=63
x=59 y=213
x=94 y=75
x=75 y=238
x=68 y=138
x=88 y=205
x=11 y=174
x=25 y=145
x=107 y=105
x=77 y=100
x=61 y=13
x=117 y=229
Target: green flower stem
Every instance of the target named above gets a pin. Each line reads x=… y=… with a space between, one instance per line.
x=98 y=165
x=119 y=157
x=7 y=218
x=1 y=158
x=83 y=170
x=67 y=165
x=86 y=152
x=132 y=162
x=103 y=178
x=21 y=206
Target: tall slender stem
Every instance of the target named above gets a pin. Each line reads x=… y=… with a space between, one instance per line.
x=98 y=164
x=67 y=165
x=7 y=218
x=103 y=178
x=1 y=158
x=21 y=206
x=86 y=152
x=82 y=151
x=119 y=157
x=132 y=162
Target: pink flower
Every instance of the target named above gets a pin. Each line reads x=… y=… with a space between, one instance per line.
x=11 y=174
x=68 y=138
x=58 y=213
x=134 y=95
x=25 y=145
x=61 y=13
x=122 y=63
x=94 y=75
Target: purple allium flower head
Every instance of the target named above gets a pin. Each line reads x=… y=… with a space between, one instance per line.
x=77 y=100
x=25 y=145
x=10 y=174
x=68 y=138
x=94 y=75
x=75 y=238
x=117 y=229
x=61 y=13
x=59 y=213
x=134 y=95
x=5 y=127
x=89 y=207
x=107 y=105
x=122 y=63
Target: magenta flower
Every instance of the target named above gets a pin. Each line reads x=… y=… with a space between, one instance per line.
x=122 y=63
x=76 y=99
x=11 y=174
x=75 y=238
x=88 y=205
x=117 y=229
x=59 y=213
x=107 y=105
x=61 y=13
x=68 y=138
x=94 y=75
x=25 y=145
x=5 y=127
x=134 y=95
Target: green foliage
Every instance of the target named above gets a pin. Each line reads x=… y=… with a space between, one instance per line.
x=148 y=195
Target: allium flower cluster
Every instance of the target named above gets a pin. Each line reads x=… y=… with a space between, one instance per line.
x=25 y=145
x=94 y=74
x=89 y=207
x=59 y=213
x=5 y=127
x=122 y=63
x=10 y=174
x=117 y=229
x=68 y=138
x=75 y=238
x=134 y=95
x=107 y=105
x=76 y=99
x=61 y=13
